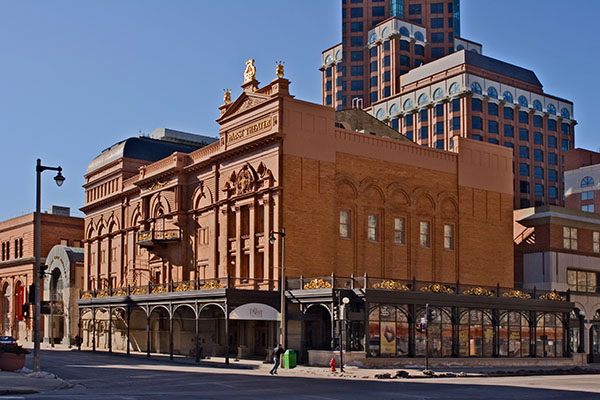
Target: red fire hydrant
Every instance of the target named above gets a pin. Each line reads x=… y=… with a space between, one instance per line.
x=332 y=364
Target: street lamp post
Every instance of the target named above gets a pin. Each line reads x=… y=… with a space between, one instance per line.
x=59 y=178
x=345 y=302
x=282 y=284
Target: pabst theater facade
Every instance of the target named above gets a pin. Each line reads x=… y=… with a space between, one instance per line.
x=178 y=258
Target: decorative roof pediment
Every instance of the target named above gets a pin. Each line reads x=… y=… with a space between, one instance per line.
x=246 y=101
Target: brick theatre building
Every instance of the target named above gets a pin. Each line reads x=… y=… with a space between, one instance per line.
x=178 y=258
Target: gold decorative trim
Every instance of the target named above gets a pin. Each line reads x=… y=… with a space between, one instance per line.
x=184 y=287
x=86 y=295
x=213 y=284
x=159 y=289
x=120 y=292
x=554 y=296
x=391 y=285
x=103 y=293
x=140 y=290
x=317 y=284
x=516 y=294
x=478 y=291
x=437 y=288
x=158 y=185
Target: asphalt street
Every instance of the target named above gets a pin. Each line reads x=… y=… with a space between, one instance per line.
x=105 y=376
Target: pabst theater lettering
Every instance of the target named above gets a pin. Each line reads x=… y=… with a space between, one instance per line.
x=249 y=130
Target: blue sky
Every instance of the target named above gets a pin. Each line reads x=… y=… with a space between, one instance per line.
x=79 y=76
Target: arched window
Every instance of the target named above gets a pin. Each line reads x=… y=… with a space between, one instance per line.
x=537 y=105
x=422 y=99
x=507 y=97
x=454 y=88
x=523 y=101
x=373 y=38
x=565 y=113
x=460 y=47
x=394 y=109
x=492 y=92
x=404 y=31
x=438 y=94
x=476 y=88
x=386 y=32
x=551 y=109
x=328 y=59
x=408 y=104
x=419 y=36
x=380 y=114
x=338 y=55
x=587 y=181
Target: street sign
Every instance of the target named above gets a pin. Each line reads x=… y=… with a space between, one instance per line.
x=45 y=308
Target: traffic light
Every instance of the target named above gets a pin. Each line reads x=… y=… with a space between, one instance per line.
x=25 y=310
x=32 y=294
x=43 y=269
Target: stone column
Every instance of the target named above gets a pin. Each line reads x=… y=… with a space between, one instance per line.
x=252 y=243
x=267 y=231
x=238 y=244
x=223 y=242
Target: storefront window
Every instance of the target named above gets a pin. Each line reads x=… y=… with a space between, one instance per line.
x=439 y=331
x=388 y=331
x=476 y=334
x=514 y=335
x=549 y=336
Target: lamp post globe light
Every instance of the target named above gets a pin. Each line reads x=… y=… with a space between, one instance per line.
x=37 y=273
x=281 y=284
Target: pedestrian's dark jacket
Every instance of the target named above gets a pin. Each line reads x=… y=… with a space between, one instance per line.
x=278 y=351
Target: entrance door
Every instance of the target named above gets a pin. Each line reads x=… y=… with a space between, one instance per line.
x=595 y=343
x=261 y=338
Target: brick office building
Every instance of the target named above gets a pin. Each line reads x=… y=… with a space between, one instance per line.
x=470 y=95
x=17 y=261
x=558 y=248
x=367 y=216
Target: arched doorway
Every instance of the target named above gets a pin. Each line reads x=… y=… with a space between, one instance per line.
x=86 y=329
x=184 y=331
x=211 y=333
x=56 y=319
x=317 y=328
x=159 y=330
x=595 y=338
x=576 y=331
x=119 y=329
x=138 y=337
x=100 y=328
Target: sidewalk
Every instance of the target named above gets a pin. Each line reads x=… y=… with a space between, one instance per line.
x=26 y=382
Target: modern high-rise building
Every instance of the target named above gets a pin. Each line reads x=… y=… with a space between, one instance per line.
x=471 y=95
x=413 y=71
x=390 y=36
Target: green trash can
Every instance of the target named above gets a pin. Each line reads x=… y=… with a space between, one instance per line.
x=289 y=359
